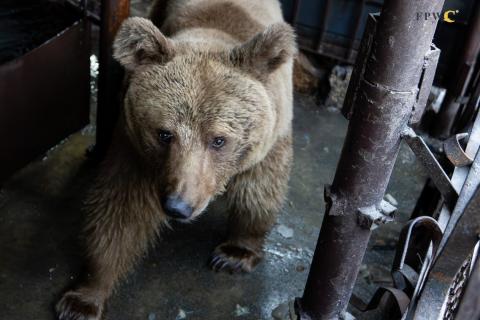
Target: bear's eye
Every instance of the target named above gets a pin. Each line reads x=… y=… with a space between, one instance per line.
x=165 y=136
x=218 y=142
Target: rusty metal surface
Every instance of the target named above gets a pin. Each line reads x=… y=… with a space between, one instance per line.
x=383 y=106
x=110 y=76
x=44 y=97
x=447 y=276
x=470 y=304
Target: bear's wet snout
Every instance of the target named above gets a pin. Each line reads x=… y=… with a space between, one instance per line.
x=175 y=207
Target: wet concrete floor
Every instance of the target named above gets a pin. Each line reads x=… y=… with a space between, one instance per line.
x=40 y=219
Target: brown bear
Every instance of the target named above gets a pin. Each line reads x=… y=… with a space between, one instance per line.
x=207 y=111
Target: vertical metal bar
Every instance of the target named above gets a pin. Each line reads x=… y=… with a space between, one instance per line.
x=296 y=8
x=382 y=110
x=325 y=16
x=461 y=78
x=470 y=108
x=356 y=27
x=110 y=76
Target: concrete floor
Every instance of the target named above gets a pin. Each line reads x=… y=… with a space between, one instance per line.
x=40 y=217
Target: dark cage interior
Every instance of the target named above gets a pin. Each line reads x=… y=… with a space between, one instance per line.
x=25 y=25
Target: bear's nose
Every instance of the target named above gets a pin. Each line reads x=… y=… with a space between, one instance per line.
x=175 y=207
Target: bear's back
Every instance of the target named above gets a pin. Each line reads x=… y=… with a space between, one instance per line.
x=240 y=19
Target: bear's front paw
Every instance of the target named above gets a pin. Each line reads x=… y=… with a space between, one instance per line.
x=234 y=258
x=76 y=305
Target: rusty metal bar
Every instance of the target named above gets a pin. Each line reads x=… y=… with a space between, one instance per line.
x=461 y=79
x=383 y=107
x=110 y=73
x=470 y=305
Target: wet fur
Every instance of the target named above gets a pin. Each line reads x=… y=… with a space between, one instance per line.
x=215 y=67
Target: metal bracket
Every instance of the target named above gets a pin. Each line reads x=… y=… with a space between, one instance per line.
x=454 y=151
x=371 y=217
x=426 y=81
x=433 y=168
x=403 y=274
x=400 y=299
x=334 y=206
x=357 y=74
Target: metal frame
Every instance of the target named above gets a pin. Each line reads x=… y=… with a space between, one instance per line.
x=381 y=100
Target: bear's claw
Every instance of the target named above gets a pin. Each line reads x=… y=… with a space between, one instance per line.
x=234 y=259
x=75 y=306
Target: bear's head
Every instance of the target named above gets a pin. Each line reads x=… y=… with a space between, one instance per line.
x=198 y=117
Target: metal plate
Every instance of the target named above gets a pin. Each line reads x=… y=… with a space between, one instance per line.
x=44 y=97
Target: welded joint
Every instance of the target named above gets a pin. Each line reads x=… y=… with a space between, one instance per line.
x=373 y=216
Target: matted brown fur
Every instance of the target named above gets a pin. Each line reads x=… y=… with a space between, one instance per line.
x=206 y=70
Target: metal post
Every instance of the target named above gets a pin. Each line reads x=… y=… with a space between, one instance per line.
x=461 y=79
x=110 y=74
x=383 y=106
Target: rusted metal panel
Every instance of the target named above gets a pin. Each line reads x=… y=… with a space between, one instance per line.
x=44 y=97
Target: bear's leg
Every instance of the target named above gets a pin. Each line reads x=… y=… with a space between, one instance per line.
x=122 y=222
x=254 y=199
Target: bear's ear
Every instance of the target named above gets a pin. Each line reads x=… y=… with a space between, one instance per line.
x=139 y=42
x=266 y=51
